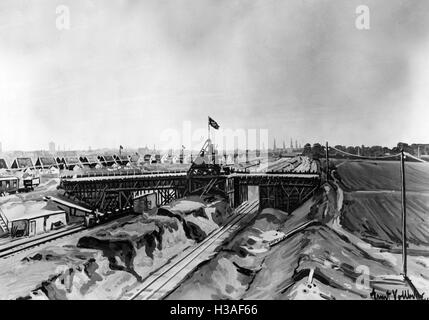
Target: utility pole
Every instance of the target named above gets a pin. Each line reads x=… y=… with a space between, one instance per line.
x=404 y=217
x=327 y=160
x=182 y=154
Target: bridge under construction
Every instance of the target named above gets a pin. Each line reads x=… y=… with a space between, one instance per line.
x=116 y=191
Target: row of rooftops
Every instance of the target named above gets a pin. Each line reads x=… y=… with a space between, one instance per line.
x=69 y=162
x=91 y=161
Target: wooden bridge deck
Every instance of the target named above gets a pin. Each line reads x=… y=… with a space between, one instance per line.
x=112 y=190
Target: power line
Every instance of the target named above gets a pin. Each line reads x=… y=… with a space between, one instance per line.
x=402 y=155
x=363 y=157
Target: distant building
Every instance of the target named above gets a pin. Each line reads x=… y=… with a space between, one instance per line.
x=107 y=160
x=52 y=147
x=3 y=164
x=45 y=163
x=176 y=159
x=60 y=162
x=166 y=158
x=121 y=160
x=70 y=163
x=134 y=158
x=89 y=161
x=22 y=163
x=144 y=150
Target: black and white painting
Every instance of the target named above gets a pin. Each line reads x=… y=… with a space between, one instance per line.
x=214 y=149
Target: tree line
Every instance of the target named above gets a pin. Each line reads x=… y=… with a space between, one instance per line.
x=317 y=150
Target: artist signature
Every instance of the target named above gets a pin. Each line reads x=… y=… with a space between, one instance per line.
x=396 y=295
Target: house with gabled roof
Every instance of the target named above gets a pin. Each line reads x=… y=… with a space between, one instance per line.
x=134 y=158
x=90 y=161
x=3 y=164
x=121 y=160
x=22 y=164
x=60 y=163
x=46 y=163
x=107 y=160
x=71 y=162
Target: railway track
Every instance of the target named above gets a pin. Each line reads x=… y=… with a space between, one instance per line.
x=32 y=243
x=155 y=283
x=8 y=251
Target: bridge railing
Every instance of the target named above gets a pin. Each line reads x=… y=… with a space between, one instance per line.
x=243 y=171
x=240 y=170
x=133 y=172
x=290 y=171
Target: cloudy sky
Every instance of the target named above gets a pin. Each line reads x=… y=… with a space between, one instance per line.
x=126 y=71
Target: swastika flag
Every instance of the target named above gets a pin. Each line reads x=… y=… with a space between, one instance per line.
x=213 y=123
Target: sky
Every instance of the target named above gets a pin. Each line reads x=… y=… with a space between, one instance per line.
x=133 y=72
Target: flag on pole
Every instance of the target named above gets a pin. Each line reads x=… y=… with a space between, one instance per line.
x=121 y=147
x=213 y=123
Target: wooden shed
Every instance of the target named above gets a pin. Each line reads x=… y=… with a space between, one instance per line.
x=37 y=222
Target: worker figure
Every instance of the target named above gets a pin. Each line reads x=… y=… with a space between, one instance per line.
x=87 y=219
x=97 y=216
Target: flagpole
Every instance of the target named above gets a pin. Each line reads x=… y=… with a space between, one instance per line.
x=208 y=127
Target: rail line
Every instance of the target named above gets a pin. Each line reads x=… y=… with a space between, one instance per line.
x=159 y=281
x=31 y=243
x=8 y=251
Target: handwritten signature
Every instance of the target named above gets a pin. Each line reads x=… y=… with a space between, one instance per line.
x=396 y=295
